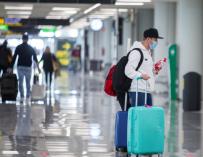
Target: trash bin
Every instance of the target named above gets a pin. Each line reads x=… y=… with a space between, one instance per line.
x=192 y=92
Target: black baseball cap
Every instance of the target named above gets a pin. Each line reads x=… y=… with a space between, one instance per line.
x=152 y=33
x=25 y=36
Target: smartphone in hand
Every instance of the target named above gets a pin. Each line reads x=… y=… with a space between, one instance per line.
x=158 y=65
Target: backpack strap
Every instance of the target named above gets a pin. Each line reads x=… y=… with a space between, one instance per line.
x=141 y=57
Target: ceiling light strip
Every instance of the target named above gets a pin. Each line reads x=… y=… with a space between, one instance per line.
x=92 y=8
x=62 y=12
x=9 y=7
x=64 y=9
x=123 y=3
x=114 y=10
x=19 y=12
x=19 y=16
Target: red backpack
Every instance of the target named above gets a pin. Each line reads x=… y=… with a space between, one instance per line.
x=108 y=86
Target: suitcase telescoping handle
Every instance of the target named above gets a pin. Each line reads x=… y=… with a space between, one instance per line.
x=136 y=99
x=126 y=99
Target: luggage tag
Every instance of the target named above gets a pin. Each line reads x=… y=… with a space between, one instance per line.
x=147 y=106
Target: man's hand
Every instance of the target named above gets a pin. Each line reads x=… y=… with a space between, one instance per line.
x=145 y=77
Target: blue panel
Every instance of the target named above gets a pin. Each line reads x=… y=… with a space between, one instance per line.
x=121 y=129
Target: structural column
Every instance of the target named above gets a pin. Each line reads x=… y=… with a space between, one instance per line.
x=106 y=41
x=190 y=40
x=165 y=22
x=190 y=37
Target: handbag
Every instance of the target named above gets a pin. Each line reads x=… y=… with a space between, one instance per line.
x=56 y=68
x=54 y=64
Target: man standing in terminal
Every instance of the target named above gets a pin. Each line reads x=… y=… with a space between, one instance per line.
x=25 y=54
x=146 y=70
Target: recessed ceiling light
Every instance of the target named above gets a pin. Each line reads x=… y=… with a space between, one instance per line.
x=62 y=12
x=123 y=10
x=64 y=9
x=98 y=16
x=11 y=7
x=92 y=8
x=19 y=12
x=56 y=17
x=59 y=16
x=80 y=24
x=56 y=13
x=10 y=152
x=53 y=17
x=70 y=12
x=125 y=3
x=114 y=10
x=19 y=16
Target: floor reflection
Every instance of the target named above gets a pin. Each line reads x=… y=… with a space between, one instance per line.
x=77 y=120
x=172 y=131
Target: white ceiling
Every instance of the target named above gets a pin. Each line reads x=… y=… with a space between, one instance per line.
x=42 y=10
x=39 y=10
x=45 y=10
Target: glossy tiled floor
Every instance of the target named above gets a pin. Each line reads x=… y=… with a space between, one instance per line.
x=77 y=120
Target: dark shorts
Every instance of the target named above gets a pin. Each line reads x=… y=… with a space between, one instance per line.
x=141 y=98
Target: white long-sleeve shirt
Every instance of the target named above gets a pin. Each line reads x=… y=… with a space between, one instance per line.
x=146 y=68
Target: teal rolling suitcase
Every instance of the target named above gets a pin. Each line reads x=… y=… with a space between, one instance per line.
x=145 y=134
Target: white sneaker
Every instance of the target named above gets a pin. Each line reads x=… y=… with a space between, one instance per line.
x=28 y=100
x=21 y=100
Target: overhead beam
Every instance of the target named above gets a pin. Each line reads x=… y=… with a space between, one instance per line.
x=23 y=29
x=37 y=21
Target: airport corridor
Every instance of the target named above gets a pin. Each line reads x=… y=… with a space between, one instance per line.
x=77 y=119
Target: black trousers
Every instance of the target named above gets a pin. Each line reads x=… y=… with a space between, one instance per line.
x=2 y=68
x=121 y=100
x=48 y=74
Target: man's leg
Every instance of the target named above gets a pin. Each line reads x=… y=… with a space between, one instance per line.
x=121 y=99
x=20 y=78
x=0 y=71
x=4 y=70
x=149 y=99
x=140 y=101
x=27 y=79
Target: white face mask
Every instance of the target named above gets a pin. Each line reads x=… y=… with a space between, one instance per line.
x=153 y=45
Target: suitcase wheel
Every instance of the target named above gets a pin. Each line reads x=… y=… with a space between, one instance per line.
x=121 y=149
x=3 y=100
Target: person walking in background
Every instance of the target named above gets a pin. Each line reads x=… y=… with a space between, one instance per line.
x=49 y=61
x=76 y=58
x=5 y=57
x=25 y=54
